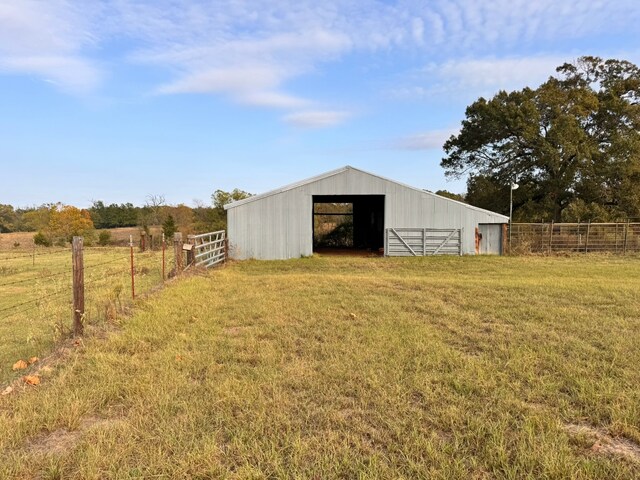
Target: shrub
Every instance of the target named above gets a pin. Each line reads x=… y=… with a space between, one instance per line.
x=169 y=227
x=104 y=238
x=41 y=239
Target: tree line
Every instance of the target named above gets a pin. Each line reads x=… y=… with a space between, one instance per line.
x=55 y=223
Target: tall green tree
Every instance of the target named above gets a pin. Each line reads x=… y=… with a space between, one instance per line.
x=575 y=138
x=220 y=198
x=169 y=227
x=8 y=218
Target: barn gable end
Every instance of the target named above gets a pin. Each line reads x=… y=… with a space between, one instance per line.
x=279 y=224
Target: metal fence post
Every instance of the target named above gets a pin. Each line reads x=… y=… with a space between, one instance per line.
x=164 y=246
x=586 y=243
x=626 y=237
x=133 y=272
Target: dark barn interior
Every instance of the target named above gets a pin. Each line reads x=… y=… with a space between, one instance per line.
x=354 y=222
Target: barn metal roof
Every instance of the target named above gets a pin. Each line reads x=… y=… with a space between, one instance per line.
x=338 y=171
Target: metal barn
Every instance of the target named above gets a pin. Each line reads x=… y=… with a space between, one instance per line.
x=387 y=217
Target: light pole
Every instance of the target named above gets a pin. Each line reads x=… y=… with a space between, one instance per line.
x=514 y=186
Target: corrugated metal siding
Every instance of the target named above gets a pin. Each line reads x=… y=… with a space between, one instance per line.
x=279 y=226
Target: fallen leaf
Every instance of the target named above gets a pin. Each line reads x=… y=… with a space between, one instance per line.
x=7 y=391
x=20 y=365
x=353 y=315
x=178 y=358
x=33 y=360
x=31 y=379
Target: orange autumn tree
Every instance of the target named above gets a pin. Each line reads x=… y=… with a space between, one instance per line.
x=67 y=221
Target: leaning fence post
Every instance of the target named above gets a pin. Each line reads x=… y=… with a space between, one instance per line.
x=77 y=262
x=177 y=252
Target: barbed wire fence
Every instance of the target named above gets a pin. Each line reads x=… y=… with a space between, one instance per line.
x=49 y=295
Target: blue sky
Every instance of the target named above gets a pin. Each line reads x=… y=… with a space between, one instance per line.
x=115 y=100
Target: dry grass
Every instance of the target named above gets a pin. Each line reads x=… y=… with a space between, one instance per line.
x=350 y=368
x=21 y=242
x=35 y=296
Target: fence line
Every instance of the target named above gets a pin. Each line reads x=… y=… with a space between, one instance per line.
x=41 y=303
x=588 y=237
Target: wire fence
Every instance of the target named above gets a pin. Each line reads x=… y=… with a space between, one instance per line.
x=619 y=238
x=36 y=294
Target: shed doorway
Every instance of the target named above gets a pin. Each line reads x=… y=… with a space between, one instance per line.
x=348 y=224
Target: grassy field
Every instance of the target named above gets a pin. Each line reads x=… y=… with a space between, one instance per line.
x=472 y=367
x=35 y=296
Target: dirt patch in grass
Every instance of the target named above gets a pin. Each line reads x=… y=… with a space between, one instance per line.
x=63 y=440
x=605 y=444
x=235 y=330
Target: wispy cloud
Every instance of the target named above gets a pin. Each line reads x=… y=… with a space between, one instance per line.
x=46 y=39
x=430 y=140
x=317 y=119
x=487 y=76
x=253 y=50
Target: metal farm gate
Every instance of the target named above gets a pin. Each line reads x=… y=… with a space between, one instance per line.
x=207 y=249
x=419 y=242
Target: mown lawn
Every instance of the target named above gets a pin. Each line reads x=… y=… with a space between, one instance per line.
x=471 y=367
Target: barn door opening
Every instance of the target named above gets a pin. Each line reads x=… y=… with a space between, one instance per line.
x=348 y=223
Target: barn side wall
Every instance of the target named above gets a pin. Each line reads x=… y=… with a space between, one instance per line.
x=279 y=226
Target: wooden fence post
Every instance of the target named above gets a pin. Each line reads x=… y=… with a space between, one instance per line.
x=551 y=237
x=191 y=254
x=77 y=261
x=177 y=252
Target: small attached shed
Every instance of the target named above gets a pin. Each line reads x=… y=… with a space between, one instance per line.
x=387 y=216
